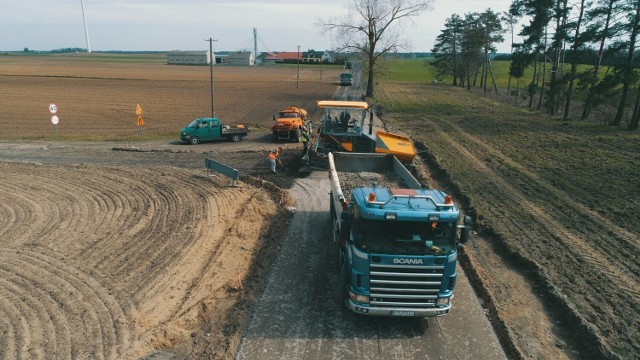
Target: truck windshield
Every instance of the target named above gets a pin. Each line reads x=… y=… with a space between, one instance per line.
x=194 y=124
x=288 y=115
x=406 y=237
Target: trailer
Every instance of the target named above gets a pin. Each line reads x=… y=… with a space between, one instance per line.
x=396 y=239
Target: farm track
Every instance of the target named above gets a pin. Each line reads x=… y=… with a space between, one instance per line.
x=107 y=262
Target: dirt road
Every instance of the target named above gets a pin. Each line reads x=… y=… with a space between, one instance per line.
x=300 y=316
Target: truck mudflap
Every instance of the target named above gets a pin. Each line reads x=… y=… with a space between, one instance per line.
x=387 y=311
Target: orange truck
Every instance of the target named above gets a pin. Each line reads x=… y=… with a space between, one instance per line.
x=288 y=123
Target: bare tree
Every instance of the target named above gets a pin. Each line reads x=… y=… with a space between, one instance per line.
x=371 y=28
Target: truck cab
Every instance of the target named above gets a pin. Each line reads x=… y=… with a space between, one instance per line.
x=397 y=247
x=288 y=123
x=209 y=129
x=346 y=79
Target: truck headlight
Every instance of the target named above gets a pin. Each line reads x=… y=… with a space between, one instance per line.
x=364 y=299
x=443 y=301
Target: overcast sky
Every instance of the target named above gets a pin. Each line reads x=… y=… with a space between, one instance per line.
x=127 y=25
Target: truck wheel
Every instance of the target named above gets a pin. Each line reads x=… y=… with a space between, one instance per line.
x=275 y=136
x=236 y=138
x=296 y=135
x=194 y=140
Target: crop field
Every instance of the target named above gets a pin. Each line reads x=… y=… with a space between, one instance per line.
x=559 y=199
x=97 y=95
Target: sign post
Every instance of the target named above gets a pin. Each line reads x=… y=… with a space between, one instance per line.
x=53 y=109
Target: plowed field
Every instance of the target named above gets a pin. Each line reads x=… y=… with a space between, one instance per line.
x=118 y=262
x=97 y=96
x=557 y=200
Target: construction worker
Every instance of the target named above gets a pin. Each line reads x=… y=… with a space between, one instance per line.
x=274 y=155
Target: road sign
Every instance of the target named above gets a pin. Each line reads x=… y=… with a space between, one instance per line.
x=54 y=120
x=53 y=108
x=140 y=121
x=138 y=110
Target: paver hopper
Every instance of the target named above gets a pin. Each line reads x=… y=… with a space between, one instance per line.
x=342 y=129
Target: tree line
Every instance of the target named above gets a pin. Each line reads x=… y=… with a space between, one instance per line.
x=582 y=53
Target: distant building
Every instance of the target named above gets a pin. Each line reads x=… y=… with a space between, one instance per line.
x=268 y=58
x=312 y=56
x=327 y=56
x=290 y=55
x=241 y=58
x=189 y=58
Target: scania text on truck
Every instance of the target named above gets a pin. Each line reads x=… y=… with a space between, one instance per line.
x=397 y=241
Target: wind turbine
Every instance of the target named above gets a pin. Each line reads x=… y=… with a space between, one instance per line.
x=86 y=33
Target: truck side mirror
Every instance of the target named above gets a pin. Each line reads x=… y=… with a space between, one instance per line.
x=274 y=118
x=466 y=230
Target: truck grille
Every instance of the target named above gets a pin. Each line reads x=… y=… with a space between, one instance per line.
x=405 y=285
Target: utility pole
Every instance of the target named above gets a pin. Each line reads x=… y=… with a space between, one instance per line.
x=212 y=59
x=298 y=75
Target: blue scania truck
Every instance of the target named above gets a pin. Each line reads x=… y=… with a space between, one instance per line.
x=396 y=240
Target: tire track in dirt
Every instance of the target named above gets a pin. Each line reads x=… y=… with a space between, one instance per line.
x=225 y=237
x=581 y=258
x=112 y=263
x=19 y=305
x=605 y=260
x=510 y=291
x=67 y=304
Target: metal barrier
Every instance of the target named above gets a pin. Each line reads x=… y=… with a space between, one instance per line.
x=223 y=169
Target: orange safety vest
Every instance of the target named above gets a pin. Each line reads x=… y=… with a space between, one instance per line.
x=273 y=155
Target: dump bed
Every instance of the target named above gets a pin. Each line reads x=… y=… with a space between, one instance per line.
x=352 y=170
